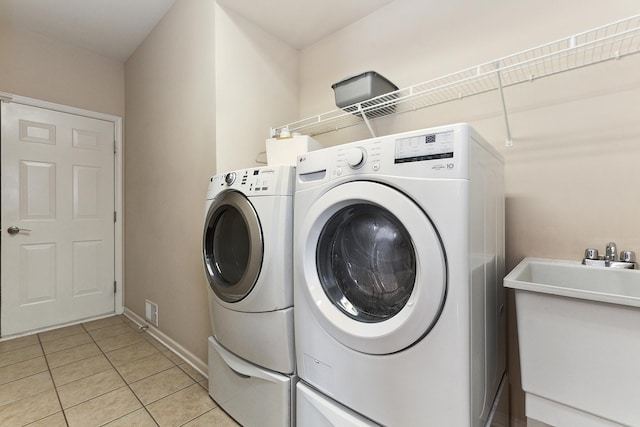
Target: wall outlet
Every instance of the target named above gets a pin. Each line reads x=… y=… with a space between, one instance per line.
x=151 y=312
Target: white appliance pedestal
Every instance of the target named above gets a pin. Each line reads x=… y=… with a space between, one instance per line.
x=252 y=395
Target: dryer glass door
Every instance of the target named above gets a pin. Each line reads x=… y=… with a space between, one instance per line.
x=232 y=246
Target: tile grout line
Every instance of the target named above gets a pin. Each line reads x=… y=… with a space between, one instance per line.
x=123 y=379
x=55 y=388
x=92 y=340
x=174 y=365
x=101 y=353
x=195 y=381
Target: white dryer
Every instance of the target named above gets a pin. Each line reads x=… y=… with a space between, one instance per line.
x=247 y=253
x=246 y=245
x=398 y=264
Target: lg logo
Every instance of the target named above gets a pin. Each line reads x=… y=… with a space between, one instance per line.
x=448 y=166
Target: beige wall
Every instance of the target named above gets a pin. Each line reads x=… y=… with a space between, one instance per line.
x=202 y=76
x=572 y=173
x=256 y=88
x=170 y=154
x=40 y=68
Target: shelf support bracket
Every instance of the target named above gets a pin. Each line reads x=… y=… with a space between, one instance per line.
x=366 y=120
x=509 y=141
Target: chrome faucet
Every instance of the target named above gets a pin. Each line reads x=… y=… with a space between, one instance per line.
x=611 y=253
x=627 y=259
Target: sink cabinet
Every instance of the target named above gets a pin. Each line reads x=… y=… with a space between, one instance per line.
x=579 y=340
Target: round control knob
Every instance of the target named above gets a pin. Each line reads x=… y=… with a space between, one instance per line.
x=356 y=157
x=230 y=178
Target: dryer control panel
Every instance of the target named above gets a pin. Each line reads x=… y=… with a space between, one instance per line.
x=264 y=181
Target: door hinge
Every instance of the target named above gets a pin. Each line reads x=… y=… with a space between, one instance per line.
x=115 y=287
x=115 y=147
x=115 y=216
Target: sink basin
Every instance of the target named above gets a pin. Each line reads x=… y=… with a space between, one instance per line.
x=579 y=340
x=572 y=279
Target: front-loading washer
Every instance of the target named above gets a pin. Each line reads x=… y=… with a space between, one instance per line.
x=246 y=245
x=398 y=260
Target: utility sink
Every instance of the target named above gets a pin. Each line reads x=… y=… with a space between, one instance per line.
x=579 y=340
x=573 y=279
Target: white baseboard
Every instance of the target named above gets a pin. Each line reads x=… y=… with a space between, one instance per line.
x=168 y=342
x=58 y=326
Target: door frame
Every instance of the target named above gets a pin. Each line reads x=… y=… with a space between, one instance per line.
x=117 y=177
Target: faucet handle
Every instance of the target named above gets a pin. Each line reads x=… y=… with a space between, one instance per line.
x=591 y=253
x=627 y=256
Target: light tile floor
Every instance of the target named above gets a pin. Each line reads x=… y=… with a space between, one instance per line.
x=103 y=372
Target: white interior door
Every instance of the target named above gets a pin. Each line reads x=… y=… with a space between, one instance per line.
x=57 y=238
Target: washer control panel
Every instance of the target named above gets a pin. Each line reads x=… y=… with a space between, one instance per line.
x=431 y=146
x=441 y=152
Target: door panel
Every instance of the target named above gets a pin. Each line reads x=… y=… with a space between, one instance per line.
x=38 y=275
x=86 y=192
x=58 y=190
x=37 y=190
x=86 y=267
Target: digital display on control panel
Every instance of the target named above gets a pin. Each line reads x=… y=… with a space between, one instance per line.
x=424 y=147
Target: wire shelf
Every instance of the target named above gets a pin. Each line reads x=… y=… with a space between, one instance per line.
x=608 y=42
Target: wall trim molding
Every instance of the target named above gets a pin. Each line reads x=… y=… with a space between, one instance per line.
x=195 y=362
x=54 y=327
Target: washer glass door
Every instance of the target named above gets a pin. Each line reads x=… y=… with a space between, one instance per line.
x=232 y=246
x=374 y=268
x=366 y=262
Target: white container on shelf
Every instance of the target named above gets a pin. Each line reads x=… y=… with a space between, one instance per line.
x=285 y=150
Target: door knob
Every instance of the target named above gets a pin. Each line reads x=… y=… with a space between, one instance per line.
x=13 y=230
